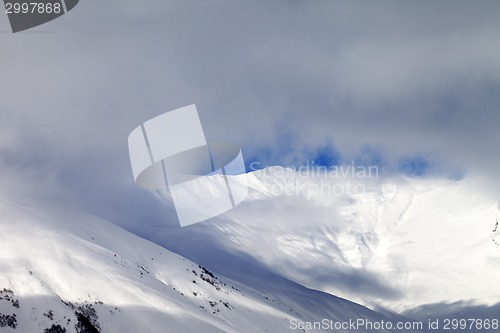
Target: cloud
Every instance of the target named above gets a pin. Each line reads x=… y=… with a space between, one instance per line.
x=280 y=79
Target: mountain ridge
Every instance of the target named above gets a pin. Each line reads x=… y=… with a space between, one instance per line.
x=400 y=244
x=73 y=272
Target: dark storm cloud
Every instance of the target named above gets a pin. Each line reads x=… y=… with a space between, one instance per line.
x=285 y=77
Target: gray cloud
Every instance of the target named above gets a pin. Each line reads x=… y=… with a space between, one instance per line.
x=418 y=78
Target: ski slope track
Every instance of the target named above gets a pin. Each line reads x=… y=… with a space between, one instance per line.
x=67 y=270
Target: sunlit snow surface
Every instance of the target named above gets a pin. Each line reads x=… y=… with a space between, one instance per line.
x=399 y=244
x=55 y=264
x=418 y=247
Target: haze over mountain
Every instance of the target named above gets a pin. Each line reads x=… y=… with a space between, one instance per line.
x=400 y=243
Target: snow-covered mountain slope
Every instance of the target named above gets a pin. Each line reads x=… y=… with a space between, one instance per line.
x=395 y=243
x=72 y=272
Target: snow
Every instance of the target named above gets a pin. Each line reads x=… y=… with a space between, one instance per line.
x=400 y=244
x=57 y=262
x=411 y=246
